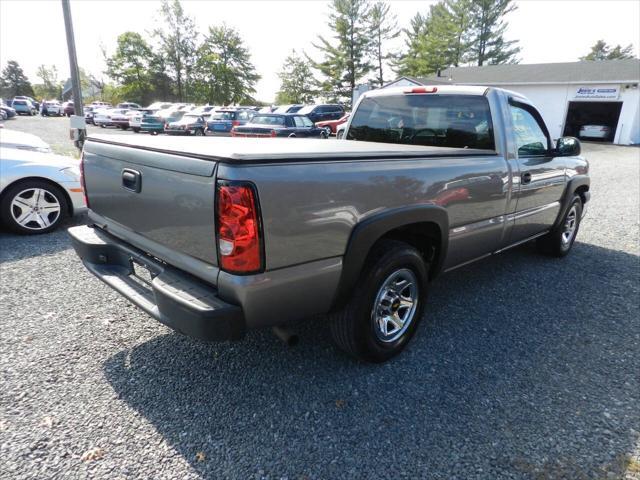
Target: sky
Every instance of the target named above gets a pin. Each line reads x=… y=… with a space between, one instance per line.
x=548 y=31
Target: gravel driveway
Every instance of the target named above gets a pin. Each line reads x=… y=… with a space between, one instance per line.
x=525 y=367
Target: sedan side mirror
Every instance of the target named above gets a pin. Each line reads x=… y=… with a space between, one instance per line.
x=568 y=147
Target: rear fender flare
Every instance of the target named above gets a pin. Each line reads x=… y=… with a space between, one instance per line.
x=367 y=232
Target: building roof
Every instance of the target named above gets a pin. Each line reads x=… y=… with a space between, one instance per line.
x=605 y=71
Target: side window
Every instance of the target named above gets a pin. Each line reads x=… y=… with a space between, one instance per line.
x=530 y=136
x=299 y=122
x=306 y=121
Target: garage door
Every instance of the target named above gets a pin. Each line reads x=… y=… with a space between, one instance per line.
x=595 y=121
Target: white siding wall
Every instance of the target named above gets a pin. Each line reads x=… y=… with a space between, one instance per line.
x=553 y=101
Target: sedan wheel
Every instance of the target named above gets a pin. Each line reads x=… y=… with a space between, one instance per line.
x=33 y=207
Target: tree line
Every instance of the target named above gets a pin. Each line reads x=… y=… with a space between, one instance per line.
x=175 y=62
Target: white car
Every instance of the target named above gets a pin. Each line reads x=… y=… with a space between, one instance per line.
x=102 y=117
x=38 y=189
x=594 y=131
x=53 y=108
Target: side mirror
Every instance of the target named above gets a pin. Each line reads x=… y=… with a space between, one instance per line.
x=568 y=147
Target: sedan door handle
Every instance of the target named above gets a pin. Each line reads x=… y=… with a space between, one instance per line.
x=526 y=177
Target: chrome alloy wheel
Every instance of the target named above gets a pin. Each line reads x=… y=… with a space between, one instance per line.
x=570 y=224
x=395 y=305
x=35 y=208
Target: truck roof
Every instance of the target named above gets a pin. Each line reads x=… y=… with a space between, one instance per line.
x=229 y=149
x=438 y=89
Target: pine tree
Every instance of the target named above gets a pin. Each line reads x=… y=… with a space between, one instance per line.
x=602 y=51
x=382 y=27
x=297 y=83
x=346 y=59
x=14 y=82
x=487 y=44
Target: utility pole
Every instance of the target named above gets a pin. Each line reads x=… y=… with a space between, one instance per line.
x=78 y=127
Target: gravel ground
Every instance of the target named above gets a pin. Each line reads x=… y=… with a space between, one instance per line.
x=525 y=367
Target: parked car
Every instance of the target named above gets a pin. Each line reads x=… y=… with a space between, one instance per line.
x=7 y=112
x=595 y=131
x=23 y=107
x=128 y=105
x=288 y=108
x=89 y=112
x=50 y=108
x=353 y=229
x=320 y=113
x=279 y=125
x=100 y=104
x=222 y=121
x=155 y=123
x=68 y=109
x=120 y=118
x=331 y=126
x=204 y=110
x=33 y=101
x=23 y=141
x=159 y=106
x=102 y=117
x=38 y=190
x=189 y=124
x=135 y=118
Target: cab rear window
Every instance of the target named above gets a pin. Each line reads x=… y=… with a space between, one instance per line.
x=460 y=121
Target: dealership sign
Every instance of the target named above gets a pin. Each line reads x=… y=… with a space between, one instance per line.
x=598 y=92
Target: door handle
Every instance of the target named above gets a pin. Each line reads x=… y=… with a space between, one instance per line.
x=131 y=180
x=526 y=177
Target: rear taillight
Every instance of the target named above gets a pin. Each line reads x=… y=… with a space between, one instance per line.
x=233 y=132
x=235 y=123
x=274 y=133
x=238 y=228
x=82 y=181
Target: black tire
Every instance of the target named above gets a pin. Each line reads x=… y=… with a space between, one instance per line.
x=354 y=329
x=324 y=135
x=135 y=129
x=124 y=127
x=102 y=125
x=555 y=242
x=16 y=189
x=199 y=132
x=153 y=132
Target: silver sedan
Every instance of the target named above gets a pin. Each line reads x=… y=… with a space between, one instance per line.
x=38 y=189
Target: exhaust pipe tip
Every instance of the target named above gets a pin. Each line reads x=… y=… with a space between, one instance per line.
x=289 y=338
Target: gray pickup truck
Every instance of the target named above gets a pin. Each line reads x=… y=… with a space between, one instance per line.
x=214 y=236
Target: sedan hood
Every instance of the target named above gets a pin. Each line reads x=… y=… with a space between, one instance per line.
x=23 y=141
x=60 y=162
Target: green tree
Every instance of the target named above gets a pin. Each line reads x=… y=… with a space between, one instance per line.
x=412 y=62
x=14 y=82
x=51 y=86
x=297 y=82
x=130 y=67
x=382 y=27
x=431 y=43
x=602 y=51
x=459 y=18
x=178 y=44
x=487 y=44
x=346 y=58
x=224 y=70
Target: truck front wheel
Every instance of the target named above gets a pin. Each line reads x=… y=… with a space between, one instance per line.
x=386 y=306
x=558 y=242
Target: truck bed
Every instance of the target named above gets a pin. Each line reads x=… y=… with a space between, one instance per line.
x=254 y=150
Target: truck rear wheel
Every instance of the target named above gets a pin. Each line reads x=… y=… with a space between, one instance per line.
x=386 y=306
x=558 y=242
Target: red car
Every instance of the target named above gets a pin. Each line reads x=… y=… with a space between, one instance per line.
x=331 y=125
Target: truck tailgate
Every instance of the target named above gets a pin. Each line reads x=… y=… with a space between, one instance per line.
x=166 y=198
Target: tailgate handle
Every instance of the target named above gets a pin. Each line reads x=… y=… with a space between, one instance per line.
x=131 y=180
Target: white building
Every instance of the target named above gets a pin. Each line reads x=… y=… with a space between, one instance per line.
x=568 y=95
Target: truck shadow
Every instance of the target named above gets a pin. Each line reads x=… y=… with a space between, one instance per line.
x=523 y=364
x=18 y=247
